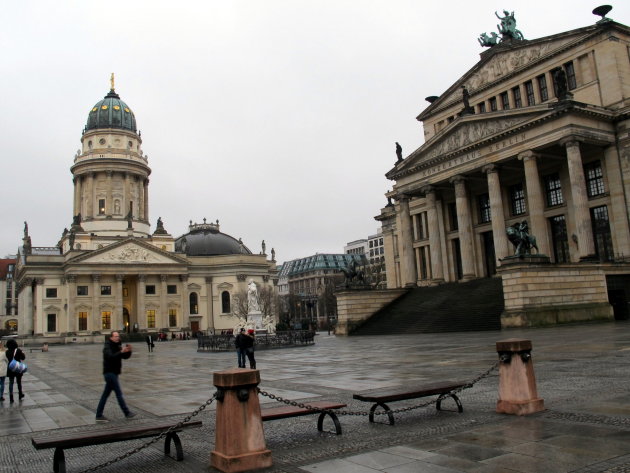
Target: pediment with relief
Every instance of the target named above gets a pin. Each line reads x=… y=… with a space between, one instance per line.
x=129 y=253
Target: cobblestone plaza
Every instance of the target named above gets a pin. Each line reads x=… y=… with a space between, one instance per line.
x=582 y=374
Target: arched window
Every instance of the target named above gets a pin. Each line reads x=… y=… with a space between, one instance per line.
x=225 y=302
x=194 y=306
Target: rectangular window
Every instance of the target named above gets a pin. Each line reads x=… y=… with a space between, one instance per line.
x=485 y=215
x=101 y=206
x=542 y=88
x=554 y=190
x=505 y=101
x=559 y=239
x=493 y=104
x=82 y=320
x=516 y=93
x=594 y=179
x=380 y=241
x=149 y=289
x=529 y=90
x=450 y=119
x=482 y=107
x=452 y=214
x=51 y=325
x=601 y=233
x=51 y=292
x=570 y=72
x=517 y=198
x=172 y=317
x=106 y=290
x=171 y=289
x=106 y=320
x=150 y=319
x=82 y=291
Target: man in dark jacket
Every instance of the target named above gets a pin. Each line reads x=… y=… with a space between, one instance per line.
x=113 y=354
x=240 y=350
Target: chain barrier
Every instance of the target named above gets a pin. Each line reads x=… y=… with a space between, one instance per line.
x=155 y=439
x=337 y=412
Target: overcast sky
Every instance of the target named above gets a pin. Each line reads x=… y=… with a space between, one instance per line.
x=278 y=118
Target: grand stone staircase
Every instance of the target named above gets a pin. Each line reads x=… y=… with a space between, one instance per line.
x=451 y=307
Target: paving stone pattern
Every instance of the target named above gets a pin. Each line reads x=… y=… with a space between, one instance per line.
x=582 y=374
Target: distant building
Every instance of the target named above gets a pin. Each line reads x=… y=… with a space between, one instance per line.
x=356 y=247
x=8 y=295
x=373 y=247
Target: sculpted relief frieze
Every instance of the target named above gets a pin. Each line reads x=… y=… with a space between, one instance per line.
x=127 y=254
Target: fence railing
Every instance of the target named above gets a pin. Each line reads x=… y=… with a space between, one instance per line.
x=263 y=341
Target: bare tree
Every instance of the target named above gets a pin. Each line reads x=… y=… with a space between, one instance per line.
x=239 y=305
x=268 y=301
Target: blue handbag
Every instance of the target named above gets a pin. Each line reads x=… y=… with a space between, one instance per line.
x=16 y=366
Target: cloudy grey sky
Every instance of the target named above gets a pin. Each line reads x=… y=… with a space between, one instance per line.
x=276 y=117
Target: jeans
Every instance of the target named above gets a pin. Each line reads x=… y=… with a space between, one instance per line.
x=250 y=354
x=111 y=384
x=17 y=377
x=241 y=357
x=2 y=385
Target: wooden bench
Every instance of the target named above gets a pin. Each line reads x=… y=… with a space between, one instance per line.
x=442 y=390
x=110 y=434
x=40 y=348
x=273 y=413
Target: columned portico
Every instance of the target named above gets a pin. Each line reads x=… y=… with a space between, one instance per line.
x=496 y=210
x=619 y=227
x=464 y=227
x=535 y=202
x=437 y=273
x=409 y=271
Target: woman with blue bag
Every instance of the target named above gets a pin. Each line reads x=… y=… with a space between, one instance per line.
x=14 y=353
x=3 y=369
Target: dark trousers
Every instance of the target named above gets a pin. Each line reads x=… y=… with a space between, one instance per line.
x=17 y=377
x=111 y=384
x=250 y=355
x=241 y=357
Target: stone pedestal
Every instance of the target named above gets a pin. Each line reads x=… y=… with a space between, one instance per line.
x=517 y=383
x=255 y=317
x=240 y=440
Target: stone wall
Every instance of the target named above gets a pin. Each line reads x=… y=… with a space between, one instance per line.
x=354 y=307
x=537 y=295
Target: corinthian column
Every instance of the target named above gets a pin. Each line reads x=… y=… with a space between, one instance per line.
x=586 y=245
x=535 y=202
x=408 y=260
x=435 y=240
x=464 y=223
x=619 y=219
x=501 y=248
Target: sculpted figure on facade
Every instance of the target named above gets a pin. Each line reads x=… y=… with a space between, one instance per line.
x=253 y=304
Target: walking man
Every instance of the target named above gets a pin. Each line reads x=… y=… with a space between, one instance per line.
x=113 y=354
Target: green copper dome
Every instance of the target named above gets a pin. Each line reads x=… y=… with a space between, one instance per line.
x=111 y=112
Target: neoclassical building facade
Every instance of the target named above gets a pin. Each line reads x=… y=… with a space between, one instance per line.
x=536 y=131
x=109 y=271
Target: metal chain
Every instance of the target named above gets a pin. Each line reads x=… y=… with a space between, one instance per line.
x=155 y=439
x=301 y=405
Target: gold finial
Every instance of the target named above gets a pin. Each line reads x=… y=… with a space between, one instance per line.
x=111 y=81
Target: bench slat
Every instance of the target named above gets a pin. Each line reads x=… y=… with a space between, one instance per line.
x=414 y=392
x=284 y=412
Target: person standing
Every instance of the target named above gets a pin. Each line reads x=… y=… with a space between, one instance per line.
x=150 y=343
x=13 y=352
x=240 y=350
x=113 y=354
x=248 y=346
x=3 y=369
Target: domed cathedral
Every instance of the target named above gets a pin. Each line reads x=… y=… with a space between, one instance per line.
x=109 y=271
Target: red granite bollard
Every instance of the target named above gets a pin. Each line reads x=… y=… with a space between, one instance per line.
x=517 y=383
x=239 y=441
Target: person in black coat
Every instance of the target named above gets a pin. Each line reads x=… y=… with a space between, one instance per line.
x=248 y=346
x=240 y=350
x=13 y=352
x=113 y=354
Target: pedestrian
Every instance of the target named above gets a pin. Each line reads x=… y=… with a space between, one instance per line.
x=240 y=350
x=113 y=354
x=3 y=369
x=150 y=343
x=13 y=352
x=248 y=344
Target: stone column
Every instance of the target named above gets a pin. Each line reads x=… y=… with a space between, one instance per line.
x=97 y=323
x=210 y=307
x=163 y=314
x=141 y=316
x=146 y=200
x=501 y=247
x=535 y=202
x=183 y=316
x=464 y=222
x=117 y=316
x=38 y=306
x=619 y=217
x=582 y=215
x=408 y=263
x=77 y=195
x=435 y=243
x=71 y=322
x=29 y=316
x=109 y=204
x=89 y=206
x=127 y=197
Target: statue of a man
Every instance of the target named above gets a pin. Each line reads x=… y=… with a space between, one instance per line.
x=252 y=297
x=399 y=151
x=264 y=248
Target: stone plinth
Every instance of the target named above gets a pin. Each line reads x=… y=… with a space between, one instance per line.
x=517 y=384
x=240 y=440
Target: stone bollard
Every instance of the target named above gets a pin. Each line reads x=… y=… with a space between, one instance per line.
x=240 y=441
x=45 y=347
x=517 y=383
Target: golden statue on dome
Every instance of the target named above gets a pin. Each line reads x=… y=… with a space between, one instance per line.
x=111 y=81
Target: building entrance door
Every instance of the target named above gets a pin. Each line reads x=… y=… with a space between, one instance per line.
x=194 y=327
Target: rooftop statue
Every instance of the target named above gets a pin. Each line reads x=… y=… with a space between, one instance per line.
x=507 y=28
x=398 y=152
x=560 y=83
x=519 y=236
x=488 y=41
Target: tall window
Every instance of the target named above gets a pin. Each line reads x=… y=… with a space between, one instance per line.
x=505 y=101
x=517 y=198
x=493 y=104
x=51 y=325
x=106 y=320
x=559 y=239
x=482 y=107
x=106 y=290
x=570 y=72
x=82 y=290
x=601 y=233
x=194 y=303
x=101 y=206
x=594 y=179
x=529 y=91
x=484 y=208
x=82 y=320
x=225 y=302
x=516 y=93
x=554 y=190
x=172 y=317
x=542 y=87
x=150 y=319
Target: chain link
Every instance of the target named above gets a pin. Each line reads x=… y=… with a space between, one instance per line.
x=155 y=439
x=301 y=405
